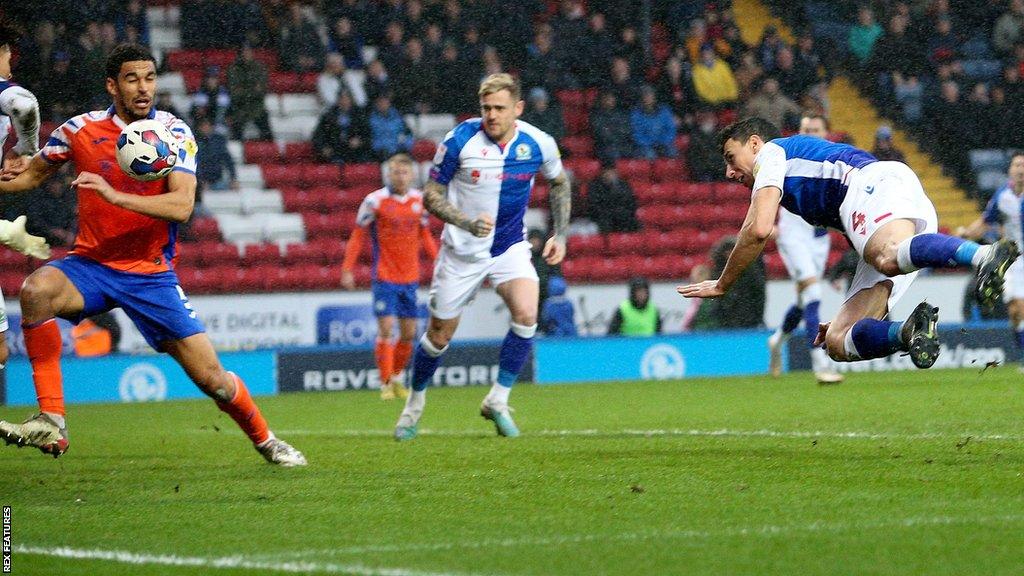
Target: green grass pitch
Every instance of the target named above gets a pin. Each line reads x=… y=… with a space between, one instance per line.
x=899 y=473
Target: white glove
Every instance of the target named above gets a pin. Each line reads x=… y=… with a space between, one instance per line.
x=13 y=235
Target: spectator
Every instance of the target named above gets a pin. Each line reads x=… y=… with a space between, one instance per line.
x=544 y=114
x=748 y=75
x=713 y=80
x=943 y=44
x=415 y=80
x=545 y=271
x=211 y=100
x=36 y=56
x=570 y=26
x=613 y=136
x=611 y=203
x=795 y=80
x=413 y=22
x=433 y=43
x=52 y=212
x=697 y=38
x=458 y=95
x=863 y=35
x=247 y=85
x=392 y=51
x=702 y=155
x=1009 y=28
x=59 y=92
x=96 y=336
x=299 y=43
x=768 y=49
x=908 y=93
x=341 y=134
x=629 y=48
x=884 y=148
x=88 y=63
x=599 y=46
x=675 y=88
x=773 y=106
x=743 y=306
x=388 y=133
x=336 y=78
x=133 y=16
x=626 y=89
x=215 y=159
x=896 y=52
x=164 y=102
x=544 y=66
x=654 y=129
x=736 y=46
x=378 y=81
x=697 y=315
x=636 y=315
x=344 y=40
x=558 y=316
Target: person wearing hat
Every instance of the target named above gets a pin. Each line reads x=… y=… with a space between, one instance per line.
x=558 y=316
x=884 y=148
x=636 y=315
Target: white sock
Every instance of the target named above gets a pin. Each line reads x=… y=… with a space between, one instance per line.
x=903 y=256
x=981 y=254
x=57 y=419
x=415 y=403
x=499 y=393
x=850 y=348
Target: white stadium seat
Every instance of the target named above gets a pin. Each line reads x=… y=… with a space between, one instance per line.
x=262 y=202
x=284 y=229
x=434 y=126
x=273 y=104
x=220 y=202
x=163 y=39
x=293 y=128
x=237 y=150
x=173 y=83
x=250 y=176
x=241 y=230
x=988 y=158
x=299 y=104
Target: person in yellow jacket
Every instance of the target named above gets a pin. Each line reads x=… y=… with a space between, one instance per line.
x=713 y=79
x=636 y=315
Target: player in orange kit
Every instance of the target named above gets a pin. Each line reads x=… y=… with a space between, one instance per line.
x=123 y=257
x=394 y=219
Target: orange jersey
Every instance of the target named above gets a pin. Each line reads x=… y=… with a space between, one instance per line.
x=397 y=226
x=113 y=236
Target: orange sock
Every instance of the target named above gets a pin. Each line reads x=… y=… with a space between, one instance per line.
x=43 y=344
x=244 y=411
x=384 y=351
x=403 y=351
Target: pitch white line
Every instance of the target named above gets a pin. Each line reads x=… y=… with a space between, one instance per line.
x=755 y=531
x=227 y=562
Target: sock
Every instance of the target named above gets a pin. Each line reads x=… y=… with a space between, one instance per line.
x=424 y=363
x=384 y=353
x=245 y=413
x=43 y=344
x=499 y=393
x=1019 y=333
x=403 y=351
x=811 y=321
x=792 y=319
x=514 y=352
x=935 y=251
x=875 y=338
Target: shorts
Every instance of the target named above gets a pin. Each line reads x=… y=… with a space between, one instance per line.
x=1014 y=289
x=390 y=299
x=3 y=314
x=456 y=280
x=155 y=303
x=878 y=194
x=804 y=254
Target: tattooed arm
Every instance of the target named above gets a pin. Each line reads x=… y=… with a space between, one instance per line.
x=560 y=198
x=436 y=203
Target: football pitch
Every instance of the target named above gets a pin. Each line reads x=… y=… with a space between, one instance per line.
x=897 y=473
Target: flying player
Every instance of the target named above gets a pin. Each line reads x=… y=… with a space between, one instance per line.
x=123 y=256
x=1004 y=210
x=804 y=250
x=486 y=168
x=394 y=219
x=882 y=209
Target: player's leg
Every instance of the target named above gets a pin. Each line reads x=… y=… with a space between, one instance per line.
x=197 y=357
x=384 y=354
x=793 y=239
x=1015 y=307
x=824 y=370
x=1013 y=295
x=403 y=352
x=45 y=294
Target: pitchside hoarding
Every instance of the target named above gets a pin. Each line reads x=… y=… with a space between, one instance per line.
x=464 y=364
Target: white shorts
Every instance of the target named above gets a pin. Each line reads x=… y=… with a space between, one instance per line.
x=804 y=254
x=456 y=280
x=1014 y=288
x=878 y=194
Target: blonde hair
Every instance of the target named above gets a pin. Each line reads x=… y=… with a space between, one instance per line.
x=497 y=83
x=401 y=158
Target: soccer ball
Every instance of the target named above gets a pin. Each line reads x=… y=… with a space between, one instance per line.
x=146 y=150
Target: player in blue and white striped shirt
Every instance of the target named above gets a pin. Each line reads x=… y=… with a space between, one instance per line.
x=480 y=186
x=882 y=209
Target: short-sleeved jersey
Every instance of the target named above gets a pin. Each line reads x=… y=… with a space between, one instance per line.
x=116 y=237
x=394 y=223
x=1005 y=208
x=812 y=173
x=485 y=178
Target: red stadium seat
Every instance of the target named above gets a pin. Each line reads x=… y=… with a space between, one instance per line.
x=282 y=175
x=245 y=279
x=693 y=192
x=539 y=196
x=423 y=150
x=307 y=82
x=266 y=57
x=624 y=243
x=305 y=253
x=180 y=60
x=631 y=170
x=774 y=266
x=220 y=58
x=682 y=143
x=261 y=255
x=298 y=151
x=10 y=282
x=577 y=146
x=193 y=79
x=669 y=170
x=731 y=192
x=577 y=120
x=583 y=169
x=576 y=98
x=358 y=174
x=332 y=248
x=214 y=254
x=261 y=152
x=593 y=245
x=321 y=174
x=282 y=82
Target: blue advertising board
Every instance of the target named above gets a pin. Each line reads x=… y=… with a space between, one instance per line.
x=352 y=324
x=121 y=378
x=565 y=360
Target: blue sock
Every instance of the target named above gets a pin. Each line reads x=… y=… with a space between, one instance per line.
x=876 y=338
x=424 y=364
x=792 y=319
x=514 y=352
x=941 y=251
x=1020 y=337
x=811 y=321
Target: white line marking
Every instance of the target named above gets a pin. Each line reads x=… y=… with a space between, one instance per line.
x=757 y=531
x=227 y=562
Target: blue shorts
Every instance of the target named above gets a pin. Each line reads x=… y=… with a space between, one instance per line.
x=394 y=299
x=155 y=303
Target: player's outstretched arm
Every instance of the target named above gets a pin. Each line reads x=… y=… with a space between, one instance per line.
x=754 y=234
x=435 y=202
x=974 y=230
x=23 y=109
x=174 y=206
x=560 y=199
x=37 y=172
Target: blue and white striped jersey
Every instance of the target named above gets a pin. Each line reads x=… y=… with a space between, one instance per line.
x=1005 y=208
x=813 y=174
x=484 y=178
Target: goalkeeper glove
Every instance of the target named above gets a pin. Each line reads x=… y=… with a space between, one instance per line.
x=13 y=235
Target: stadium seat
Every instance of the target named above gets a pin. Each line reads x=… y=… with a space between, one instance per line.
x=731 y=192
x=272 y=102
x=281 y=82
x=539 y=196
x=590 y=245
x=221 y=58
x=321 y=175
x=623 y=243
x=358 y=174
x=245 y=279
x=577 y=120
x=250 y=176
x=179 y=60
x=669 y=170
x=682 y=143
x=257 y=255
x=219 y=202
x=267 y=57
x=304 y=253
x=577 y=146
x=774 y=266
x=193 y=78
x=202 y=228
x=693 y=192
x=261 y=152
x=307 y=82
x=332 y=248
x=576 y=98
x=298 y=151
x=583 y=169
x=283 y=175
x=241 y=230
x=634 y=169
x=283 y=229
x=433 y=126
x=262 y=202
x=213 y=254
x=300 y=104
x=423 y=150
